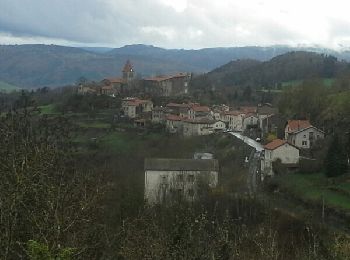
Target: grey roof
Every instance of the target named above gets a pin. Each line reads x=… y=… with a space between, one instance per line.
x=157 y=164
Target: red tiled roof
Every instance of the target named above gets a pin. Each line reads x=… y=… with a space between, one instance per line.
x=275 y=144
x=127 y=67
x=296 y=125
x=174 y=118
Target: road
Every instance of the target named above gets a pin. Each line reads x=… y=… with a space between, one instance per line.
x=258 y=147
x=254 y=162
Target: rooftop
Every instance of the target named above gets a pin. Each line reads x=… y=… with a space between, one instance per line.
x=297 y=125
x=275 y=144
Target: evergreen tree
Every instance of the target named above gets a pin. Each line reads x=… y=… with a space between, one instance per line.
x=336 y=161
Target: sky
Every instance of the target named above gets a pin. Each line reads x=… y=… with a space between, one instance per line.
x=188 y=24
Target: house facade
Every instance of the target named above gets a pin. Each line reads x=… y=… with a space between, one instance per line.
x=249 y=121
x=278 y=149
x=167 y=85
x=134 y=107
x=302 y=134
x=198 y=112
x=195 y=127
x=173 y=179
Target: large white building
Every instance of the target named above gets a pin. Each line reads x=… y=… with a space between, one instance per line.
x=282 y=150
x=172 y=179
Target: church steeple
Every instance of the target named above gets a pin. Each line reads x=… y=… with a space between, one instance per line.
x=128 y=72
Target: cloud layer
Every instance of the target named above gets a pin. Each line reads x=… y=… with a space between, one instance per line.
x=175 y=23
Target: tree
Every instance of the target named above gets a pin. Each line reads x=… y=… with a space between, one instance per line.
x=336 y=160
x=44 y=197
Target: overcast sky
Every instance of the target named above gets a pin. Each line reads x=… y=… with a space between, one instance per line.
x=176 y=23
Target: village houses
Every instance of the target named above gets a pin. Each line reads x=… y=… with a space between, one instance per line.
x=110 y=86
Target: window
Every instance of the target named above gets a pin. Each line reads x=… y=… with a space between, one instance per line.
x=191 y=192
x=304 y=143
x=304 y=136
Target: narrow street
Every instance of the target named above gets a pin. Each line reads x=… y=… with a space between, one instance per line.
x=254 y=162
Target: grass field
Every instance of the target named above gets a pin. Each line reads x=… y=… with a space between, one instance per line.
x=314 y=187
x=48 y=109
x=328 y=82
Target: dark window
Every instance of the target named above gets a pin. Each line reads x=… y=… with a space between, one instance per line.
x=191 y=192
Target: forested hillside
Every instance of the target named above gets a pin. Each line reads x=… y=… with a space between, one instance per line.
x=298 y=65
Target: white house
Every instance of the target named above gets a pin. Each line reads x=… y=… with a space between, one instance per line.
x=234 y=119
x=302 y=134
x=168 y=179
x=278 y=149
x=250 y=120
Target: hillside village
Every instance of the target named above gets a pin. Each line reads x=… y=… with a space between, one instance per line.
x=186 y=130
x=162 y=142
x=259 y=123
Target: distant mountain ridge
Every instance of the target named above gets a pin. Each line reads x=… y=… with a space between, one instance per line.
x=31 y=66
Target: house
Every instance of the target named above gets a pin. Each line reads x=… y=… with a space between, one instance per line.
x=159 y=114
x=167 y=86
x=173 y=179
x=302 y=134
x=194 y=127
x=234 y=120
x=197 y=112
x=134 y=107
x=250 y=121
x=174 y=124
x=218 y=110
x=112 y=86
x=287 y=153
x=180 y=109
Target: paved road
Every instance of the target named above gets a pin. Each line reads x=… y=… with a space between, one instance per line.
x=258 y=147
x=254 y=162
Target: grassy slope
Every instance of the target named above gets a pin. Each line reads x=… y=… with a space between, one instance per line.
x=313 y=187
